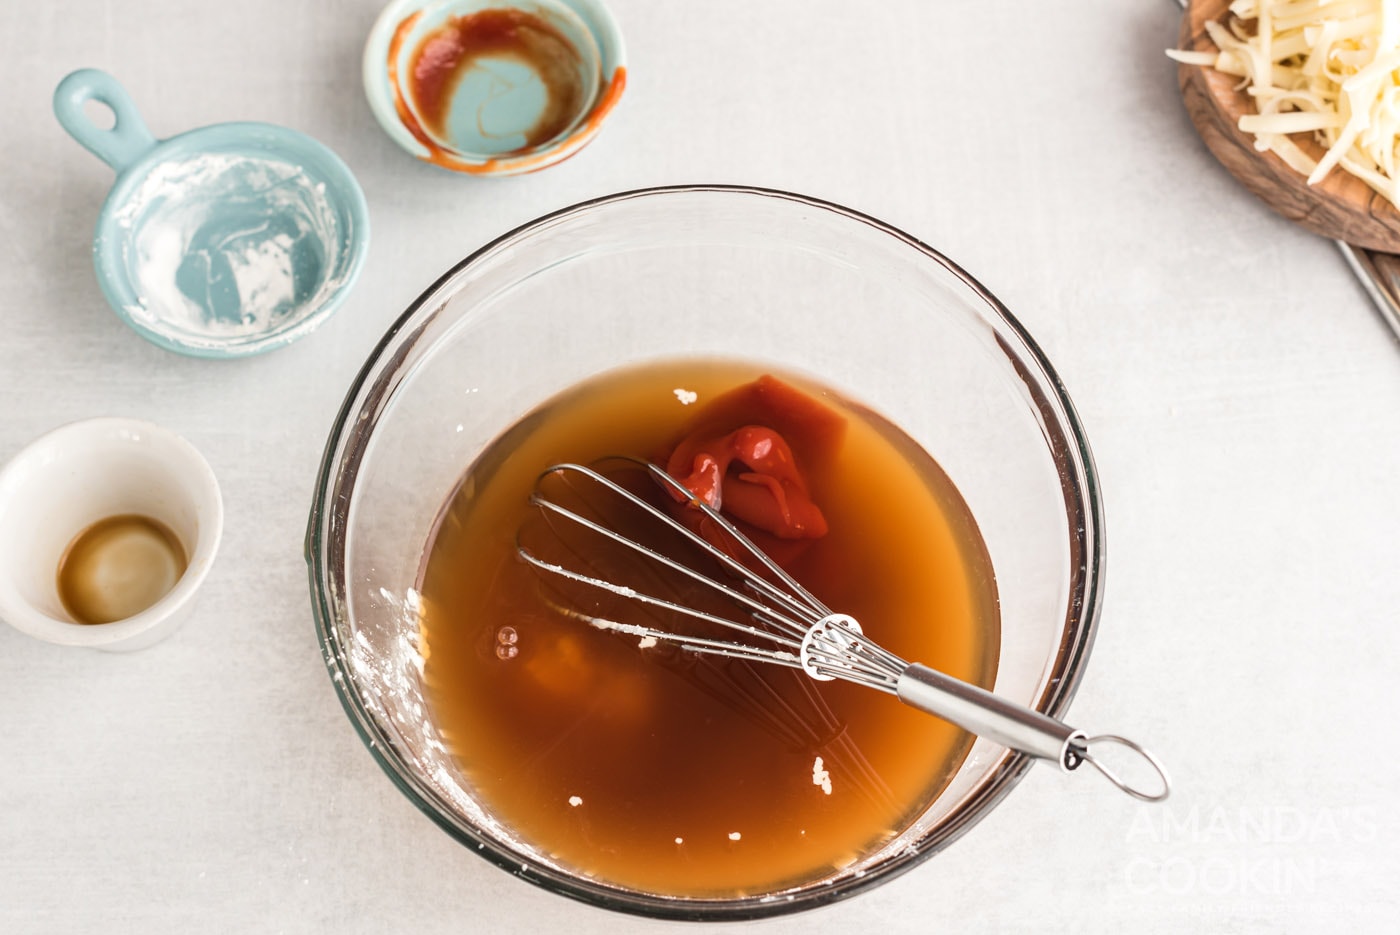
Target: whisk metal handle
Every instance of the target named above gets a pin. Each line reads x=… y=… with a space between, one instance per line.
x=986 y=715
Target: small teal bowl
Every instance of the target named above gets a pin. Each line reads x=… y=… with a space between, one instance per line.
x=222 y=242
x=497 y=99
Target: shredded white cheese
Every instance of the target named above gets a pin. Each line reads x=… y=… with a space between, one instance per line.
x=1326 y=67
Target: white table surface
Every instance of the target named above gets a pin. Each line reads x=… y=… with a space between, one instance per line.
x=1241 y=396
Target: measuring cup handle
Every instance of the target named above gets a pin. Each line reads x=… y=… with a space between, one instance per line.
x=127 y=140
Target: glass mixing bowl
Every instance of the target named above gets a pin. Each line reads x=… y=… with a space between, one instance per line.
x=782 y=279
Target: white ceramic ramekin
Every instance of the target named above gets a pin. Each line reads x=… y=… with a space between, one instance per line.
x=80 y=473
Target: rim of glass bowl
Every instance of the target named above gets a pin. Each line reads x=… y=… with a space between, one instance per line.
x=325 y=539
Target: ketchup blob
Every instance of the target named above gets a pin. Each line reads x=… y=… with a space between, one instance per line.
x=745 y=454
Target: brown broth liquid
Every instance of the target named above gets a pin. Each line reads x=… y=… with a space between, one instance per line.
x=689 y=778
x=118 y=567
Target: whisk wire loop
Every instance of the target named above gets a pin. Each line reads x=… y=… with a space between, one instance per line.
x=812 y=606
x=649 y=599
x=759 y=587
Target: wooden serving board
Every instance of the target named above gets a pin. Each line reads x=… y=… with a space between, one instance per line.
x=1340 y=206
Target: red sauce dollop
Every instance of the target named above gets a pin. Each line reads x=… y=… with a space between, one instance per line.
x=746 y=453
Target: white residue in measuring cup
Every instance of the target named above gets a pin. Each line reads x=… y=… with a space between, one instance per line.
x=226 y=245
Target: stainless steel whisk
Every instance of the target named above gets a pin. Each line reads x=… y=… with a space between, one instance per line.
x=781 y=622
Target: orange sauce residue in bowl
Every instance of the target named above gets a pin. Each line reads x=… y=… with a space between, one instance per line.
x=446 y=54
x=449 y=51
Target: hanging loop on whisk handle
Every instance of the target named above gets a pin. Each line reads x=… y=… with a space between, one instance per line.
x=1090 y=751
x=987 y=715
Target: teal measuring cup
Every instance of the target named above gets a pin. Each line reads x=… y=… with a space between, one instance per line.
x=224 y=241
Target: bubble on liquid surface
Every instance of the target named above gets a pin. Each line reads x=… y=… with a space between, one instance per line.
x=225 y=246
x=506 y=639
